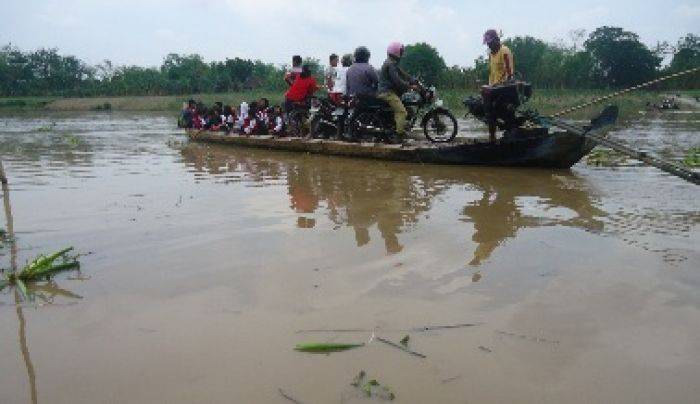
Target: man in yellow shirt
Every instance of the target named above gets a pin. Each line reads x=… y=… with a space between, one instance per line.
x=501 y=68
x=500 y=59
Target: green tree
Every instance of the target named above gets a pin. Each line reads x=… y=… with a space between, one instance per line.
x=577 y=69
x=481 y=70
x=527 y=54
x=620 y=59
x=424 y=61
x=16 y=77
x=185 y=73
x=686 y=56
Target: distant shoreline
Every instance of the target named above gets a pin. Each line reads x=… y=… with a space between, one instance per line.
x=545 y=101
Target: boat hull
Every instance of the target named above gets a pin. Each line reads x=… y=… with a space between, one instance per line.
x=526 y=149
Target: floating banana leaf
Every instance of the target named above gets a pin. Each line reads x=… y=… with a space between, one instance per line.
x=43 y=265
x=43 y=261
x=40 y=273
x=323 y=347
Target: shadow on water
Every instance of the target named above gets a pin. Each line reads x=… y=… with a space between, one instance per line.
x=394 y=197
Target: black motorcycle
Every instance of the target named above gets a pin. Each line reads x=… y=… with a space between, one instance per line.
x=371 y=119
x=327 y=119
x=297 y=118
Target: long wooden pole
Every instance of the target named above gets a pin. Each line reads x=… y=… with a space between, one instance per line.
x=22 y=332
x=664 y=165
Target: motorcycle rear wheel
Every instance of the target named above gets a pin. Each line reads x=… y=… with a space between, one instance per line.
x=320 y=129
x=365 y=126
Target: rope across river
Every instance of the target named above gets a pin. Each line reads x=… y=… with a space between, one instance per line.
x=626 y=90
x=670 y=167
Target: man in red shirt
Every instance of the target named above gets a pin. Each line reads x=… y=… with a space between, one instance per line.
x=303 y=87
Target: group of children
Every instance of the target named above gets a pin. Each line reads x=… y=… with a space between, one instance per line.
x=255 y=118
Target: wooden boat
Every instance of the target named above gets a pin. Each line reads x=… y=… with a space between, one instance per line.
x=520 y=147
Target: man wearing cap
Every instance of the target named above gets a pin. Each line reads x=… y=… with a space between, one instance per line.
x=500 y=70
x=500 y=59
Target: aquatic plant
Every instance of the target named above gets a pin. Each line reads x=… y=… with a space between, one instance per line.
x=372 y=388
x=605 y=157
x=72 y=140
x=46 y=128
x=41 y=267
x=692 y=158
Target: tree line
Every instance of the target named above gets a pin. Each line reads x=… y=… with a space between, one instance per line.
x=608 y=57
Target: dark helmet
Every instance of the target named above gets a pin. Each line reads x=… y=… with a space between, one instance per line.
x=362 y=54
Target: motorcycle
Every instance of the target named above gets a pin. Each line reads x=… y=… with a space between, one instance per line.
x=372 y=119
x=297 y=117
x=326 y=119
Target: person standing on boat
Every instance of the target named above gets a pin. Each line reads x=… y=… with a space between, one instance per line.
x=331 y=77
x=393 y=82
x=341 y=83
x=501 y=68
x=501 y=65
x=292 y=74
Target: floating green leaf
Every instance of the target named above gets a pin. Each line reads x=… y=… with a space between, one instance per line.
x=43 y=266
x=324 y=347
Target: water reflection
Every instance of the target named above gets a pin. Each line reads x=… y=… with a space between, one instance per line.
x=529 y=201
x=394 y=197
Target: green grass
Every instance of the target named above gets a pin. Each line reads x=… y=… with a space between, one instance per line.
x=132 y=103
x=22 y=103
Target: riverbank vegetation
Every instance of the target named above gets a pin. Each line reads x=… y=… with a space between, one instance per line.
x=563 y=74
x=607 y=58
x=546 y=101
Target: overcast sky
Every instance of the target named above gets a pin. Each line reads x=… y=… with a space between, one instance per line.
x=143 y=32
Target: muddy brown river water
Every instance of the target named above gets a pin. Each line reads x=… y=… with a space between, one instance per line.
x=207 y=265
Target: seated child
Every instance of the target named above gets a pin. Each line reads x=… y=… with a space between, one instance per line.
x=263 y=120
x=213 y=120
x=197 y=118
x=250 y=122
x=228 y=118
x=277 y=121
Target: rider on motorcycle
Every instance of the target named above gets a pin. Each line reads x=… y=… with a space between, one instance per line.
x=361 y=77
x=303 y=87
x=393 y=82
